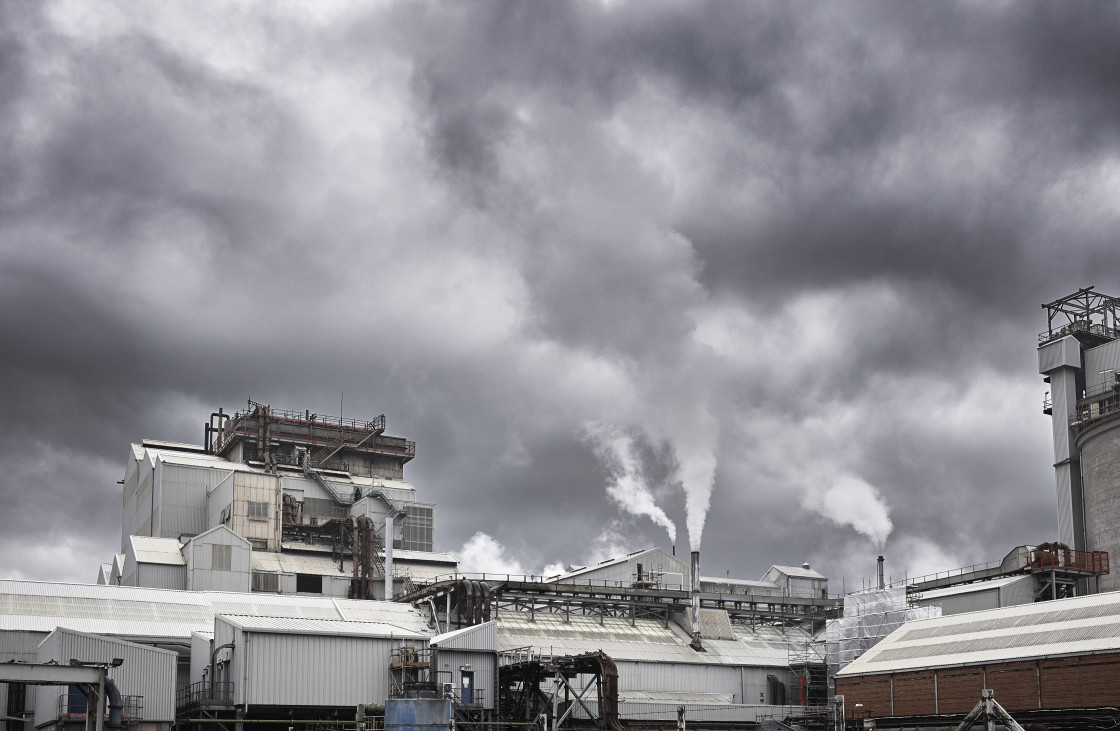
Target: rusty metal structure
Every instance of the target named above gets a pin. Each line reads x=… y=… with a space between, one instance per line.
x=273 y=437
x=560 y=690
x=533 y=596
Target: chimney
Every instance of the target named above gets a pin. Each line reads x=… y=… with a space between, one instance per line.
x=879 y=570
x=696 y=645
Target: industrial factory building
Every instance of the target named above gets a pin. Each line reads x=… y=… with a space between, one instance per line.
x=255 y=565
x=1055 y=662
x=276 y=501
x=255 y=573
x=1079 y=356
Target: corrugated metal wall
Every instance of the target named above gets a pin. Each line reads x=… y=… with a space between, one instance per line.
x=218 y=499
x=448 y=670
x=1017 y=592
x=292 y=669
x=257 y=488
x=183 y=492
x=201 y=576
x=746 y=684
x=201 y=647
x=146 y=671
x=1102 y=363
x=161 y=576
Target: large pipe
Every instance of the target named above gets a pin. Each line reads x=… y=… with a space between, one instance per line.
x=389 y=557
x=116 y=706
x=696 y=645
x=879 y=570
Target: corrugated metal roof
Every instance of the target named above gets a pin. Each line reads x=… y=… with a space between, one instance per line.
x=479 y=637
x=292 y=625
x=970 y=588
x=1082 y=625
x=134 y=612
x=646 y=641
x=743 y=583
x=157 y=550
x=399 y=554
x=296 y=564
x=602 y=564
x=798 y=572
x=672 y=696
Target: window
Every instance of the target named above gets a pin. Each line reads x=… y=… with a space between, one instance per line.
x=309 y=583
x=418 y=528
x=258 y=544
x=258 y=511
x=266 y=582
x=221 y=557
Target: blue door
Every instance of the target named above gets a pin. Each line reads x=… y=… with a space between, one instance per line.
x=466 y=686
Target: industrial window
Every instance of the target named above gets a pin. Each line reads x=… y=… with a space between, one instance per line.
x=258 y=511
x=309 y=583
x=266 y=582
x=258 y=544
x=418 y=528
x=221 y=557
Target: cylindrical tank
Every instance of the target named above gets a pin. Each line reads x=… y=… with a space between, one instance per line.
x=1100 y=479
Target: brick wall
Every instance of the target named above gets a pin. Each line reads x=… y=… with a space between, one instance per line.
x=1091 y=681
x=913 y=694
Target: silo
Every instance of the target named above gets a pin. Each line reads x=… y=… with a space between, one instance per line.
x=1100 y=474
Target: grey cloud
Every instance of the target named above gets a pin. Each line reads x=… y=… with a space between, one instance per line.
x=179 y=235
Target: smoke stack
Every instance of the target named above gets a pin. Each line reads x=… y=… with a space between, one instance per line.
x=879 y=570
x=696 y=645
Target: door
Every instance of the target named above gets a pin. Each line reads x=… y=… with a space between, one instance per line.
x=466 y=686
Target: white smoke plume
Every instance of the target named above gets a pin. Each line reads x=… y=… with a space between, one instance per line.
x=483 y=554
x=851 y=500
x=627 y=485
x=695 y=450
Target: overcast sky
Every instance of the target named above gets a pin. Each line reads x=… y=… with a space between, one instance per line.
x=765 y=276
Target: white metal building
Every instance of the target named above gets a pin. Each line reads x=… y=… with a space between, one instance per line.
x=146 y=677
x=736 y=677
x=467 y=659
x=307 y=662
x=1006 y=591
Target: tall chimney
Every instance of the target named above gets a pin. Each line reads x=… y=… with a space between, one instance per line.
x=696 y=645
x=879 y=570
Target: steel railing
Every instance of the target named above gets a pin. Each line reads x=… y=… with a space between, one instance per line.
x=205 y=693
x=1068 y=560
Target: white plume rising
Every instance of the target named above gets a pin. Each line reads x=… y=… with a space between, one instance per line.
x=627 y=485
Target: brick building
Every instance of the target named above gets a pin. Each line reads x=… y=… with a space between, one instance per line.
x=1050 y=662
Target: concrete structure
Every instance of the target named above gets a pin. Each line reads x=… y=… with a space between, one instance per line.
x=1046 y=662
x=1079 y=355
x=279 y=502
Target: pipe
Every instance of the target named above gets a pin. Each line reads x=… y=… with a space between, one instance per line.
x=879 y=570
x=696 y=644
x=354 y=557
x=116 y=706
x=389 y=557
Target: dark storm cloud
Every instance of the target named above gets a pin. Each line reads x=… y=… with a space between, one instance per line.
x=807 y=242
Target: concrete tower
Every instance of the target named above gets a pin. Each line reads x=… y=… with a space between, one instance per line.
x=1079 y=355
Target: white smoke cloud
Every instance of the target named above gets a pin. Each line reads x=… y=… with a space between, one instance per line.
x=851 y=500
x=482 y=554
x=695 y=450
x=627 y=485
